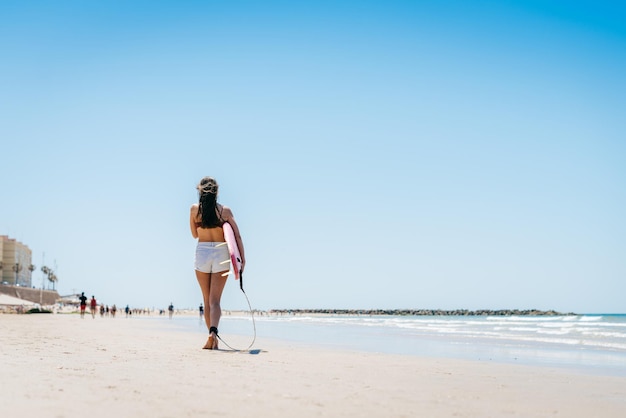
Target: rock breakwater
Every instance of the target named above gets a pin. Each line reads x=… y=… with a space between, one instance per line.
x=422 y=312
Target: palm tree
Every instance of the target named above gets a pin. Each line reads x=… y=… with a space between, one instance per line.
x=46 y=270
x=17 y=268
x=53 y=279
x=31 y=268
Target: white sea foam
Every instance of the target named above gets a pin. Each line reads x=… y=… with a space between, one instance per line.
x=524 y=329
x=559 y=325
x=604 y=332
x=610 y=325
x=554 y=332
x=590 y=318
x=525 y=318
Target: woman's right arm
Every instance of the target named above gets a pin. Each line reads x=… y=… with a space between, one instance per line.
x=228 y=217
x=193 y=215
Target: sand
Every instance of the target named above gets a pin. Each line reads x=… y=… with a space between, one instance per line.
x=64 y=366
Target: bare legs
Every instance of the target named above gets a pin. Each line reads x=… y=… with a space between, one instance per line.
x=212 y=286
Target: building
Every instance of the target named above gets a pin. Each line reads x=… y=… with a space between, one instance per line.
x=16 y=267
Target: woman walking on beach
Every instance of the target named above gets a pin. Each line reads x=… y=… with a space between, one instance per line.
x=206 y=220
x=93 y=304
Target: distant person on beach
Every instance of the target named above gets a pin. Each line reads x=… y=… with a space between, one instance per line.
x=171 y=309
x=201 y=310
x=206 y=220
x=113 y=310
x=83 y=304
x=93 y=305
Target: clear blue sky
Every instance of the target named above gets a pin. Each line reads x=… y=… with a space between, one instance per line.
x=376 y=154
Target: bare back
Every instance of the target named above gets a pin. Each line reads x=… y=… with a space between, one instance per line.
x=215 y=234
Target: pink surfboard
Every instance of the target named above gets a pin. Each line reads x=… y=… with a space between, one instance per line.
x=233 y=249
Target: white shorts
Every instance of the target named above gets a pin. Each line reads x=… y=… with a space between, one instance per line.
x=210 y=256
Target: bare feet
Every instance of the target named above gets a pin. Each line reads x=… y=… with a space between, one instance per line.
x=211 y=343
x=214 y=337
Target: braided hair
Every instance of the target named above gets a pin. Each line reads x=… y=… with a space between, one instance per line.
x=207 y=210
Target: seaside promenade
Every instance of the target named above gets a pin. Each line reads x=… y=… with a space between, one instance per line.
x=43 y=297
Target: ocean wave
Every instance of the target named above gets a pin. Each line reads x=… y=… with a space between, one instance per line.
x=595 y=331
x=527 y=318
x=605 y=334
x=590 y=318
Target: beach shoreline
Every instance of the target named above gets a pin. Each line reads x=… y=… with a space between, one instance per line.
x=586 y=343
x=62 y=365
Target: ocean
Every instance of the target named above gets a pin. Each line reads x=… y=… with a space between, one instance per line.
x=594 y=343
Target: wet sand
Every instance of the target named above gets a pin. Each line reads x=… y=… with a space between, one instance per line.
x=64 y=366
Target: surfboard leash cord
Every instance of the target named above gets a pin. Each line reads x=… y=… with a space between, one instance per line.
x=251 y=315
